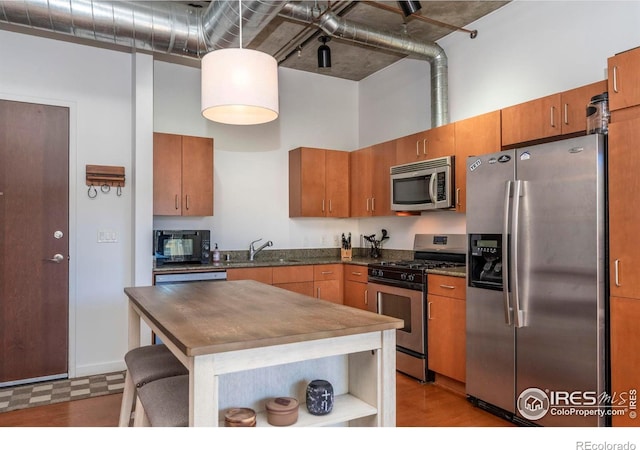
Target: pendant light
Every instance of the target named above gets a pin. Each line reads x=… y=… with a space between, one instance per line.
x=409 y=7
x=324 y=53
x=239 y=85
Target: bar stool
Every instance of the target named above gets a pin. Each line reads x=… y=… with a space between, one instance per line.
x=163 y=403
x=144 y=365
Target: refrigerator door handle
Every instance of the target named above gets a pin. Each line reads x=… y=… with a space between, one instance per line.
x=518 y=314
x=505 y=253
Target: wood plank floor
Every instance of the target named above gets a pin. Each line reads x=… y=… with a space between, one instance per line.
x=418 y=405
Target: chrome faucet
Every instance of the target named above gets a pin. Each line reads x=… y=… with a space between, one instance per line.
x=253 y=251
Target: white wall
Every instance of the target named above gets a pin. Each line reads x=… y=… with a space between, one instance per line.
x=523 y=51
x=251 y=163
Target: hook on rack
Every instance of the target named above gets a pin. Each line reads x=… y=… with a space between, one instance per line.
x=105 y=177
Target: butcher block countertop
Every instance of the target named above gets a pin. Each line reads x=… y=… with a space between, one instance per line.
x=204 y=318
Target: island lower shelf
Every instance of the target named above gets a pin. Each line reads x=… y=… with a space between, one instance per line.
x=346 y=408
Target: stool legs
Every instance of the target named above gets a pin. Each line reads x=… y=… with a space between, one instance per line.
x=140 y=418
x=128 y=396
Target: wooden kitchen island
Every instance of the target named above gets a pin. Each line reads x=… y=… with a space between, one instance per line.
x=245 y=342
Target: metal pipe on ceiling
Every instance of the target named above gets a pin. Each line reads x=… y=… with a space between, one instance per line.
x=341 y=28
x=161 y=27
x=179 y=29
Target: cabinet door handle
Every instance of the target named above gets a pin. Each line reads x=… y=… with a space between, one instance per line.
x=330 y=206
x=328 y=272
x=356 y=273
x=373 y=203
x=428 y=310
x=187 y=202
x=446 y=286
x=177 y=205
x=368 y=204
x=424 y=147
x=318 y=293
x=617 y=271
x=458 y=196
x=553 y=123
x=322 y=205
x=366 y=296
x=566 y=114
x=615 y=79
x=417 y=148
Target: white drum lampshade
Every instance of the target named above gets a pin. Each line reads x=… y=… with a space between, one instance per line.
x=239 y=86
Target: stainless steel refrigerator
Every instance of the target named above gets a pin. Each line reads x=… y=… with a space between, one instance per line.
x=536 y=282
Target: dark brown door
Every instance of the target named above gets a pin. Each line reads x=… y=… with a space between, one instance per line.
x=34 y=241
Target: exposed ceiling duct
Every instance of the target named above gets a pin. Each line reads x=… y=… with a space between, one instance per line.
x=178 y=29
x=333 y=25
x=162 y=27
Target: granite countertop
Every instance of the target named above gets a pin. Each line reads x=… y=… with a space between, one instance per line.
x=239 y=264
x=224 y=265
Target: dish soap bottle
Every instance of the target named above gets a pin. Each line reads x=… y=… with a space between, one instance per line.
x=216 y=254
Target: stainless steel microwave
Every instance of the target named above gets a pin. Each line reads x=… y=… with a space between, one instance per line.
x=182 y=246
x=424 y=185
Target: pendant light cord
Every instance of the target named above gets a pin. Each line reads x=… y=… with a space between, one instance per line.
x=240 y=19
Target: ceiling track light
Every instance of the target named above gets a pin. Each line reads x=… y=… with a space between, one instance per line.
x=409 y=7
x=324 y=53
x=239 y=85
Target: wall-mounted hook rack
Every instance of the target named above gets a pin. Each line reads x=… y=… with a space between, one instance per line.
x=106 y=177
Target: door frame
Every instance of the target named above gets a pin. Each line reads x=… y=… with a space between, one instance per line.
x=73 y=230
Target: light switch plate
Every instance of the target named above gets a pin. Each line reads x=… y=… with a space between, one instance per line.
x=107 y=236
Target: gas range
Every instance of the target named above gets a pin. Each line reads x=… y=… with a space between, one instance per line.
x=399 y=289
x=430 y=252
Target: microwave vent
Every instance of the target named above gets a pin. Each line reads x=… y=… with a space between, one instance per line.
x=422 y=165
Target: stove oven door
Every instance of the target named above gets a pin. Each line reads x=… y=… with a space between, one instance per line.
x=405 y=304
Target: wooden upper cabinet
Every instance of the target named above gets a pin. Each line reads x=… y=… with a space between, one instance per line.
x=550 y=116
x=624 y=216
x=477 y=135
x=318 y=183
x=429 y=144
x=574 y=106
x=337 y=183
x=623 y=79
x=360 y=167
x=383 y=157
x=182 y=175
x=535 y=119
x=370 y=180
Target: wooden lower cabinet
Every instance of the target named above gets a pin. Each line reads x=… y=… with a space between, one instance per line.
x=294 y=278
x=446 y=326
x=261 y=274
x=327 y=282
x=355 y=286
x=625 y=357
